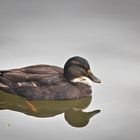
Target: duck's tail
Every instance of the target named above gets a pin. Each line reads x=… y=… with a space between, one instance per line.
x=4 y=82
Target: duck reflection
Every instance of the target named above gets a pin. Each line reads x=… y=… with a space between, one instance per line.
x=72 y=109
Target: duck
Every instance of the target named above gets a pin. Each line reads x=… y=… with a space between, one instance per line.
x=42 y=81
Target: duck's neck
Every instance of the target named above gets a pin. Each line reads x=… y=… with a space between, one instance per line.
x=83 y=80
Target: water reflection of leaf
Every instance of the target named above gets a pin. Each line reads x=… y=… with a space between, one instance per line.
x=72 y=109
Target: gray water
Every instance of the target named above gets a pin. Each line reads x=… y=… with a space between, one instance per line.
x=106 y=33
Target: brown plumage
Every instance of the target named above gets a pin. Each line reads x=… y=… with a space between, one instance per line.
x=42 y=82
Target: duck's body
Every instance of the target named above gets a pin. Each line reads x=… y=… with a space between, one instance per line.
x=44 y=82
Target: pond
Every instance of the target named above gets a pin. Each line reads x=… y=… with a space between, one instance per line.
x=107 y=34
x=111 y=111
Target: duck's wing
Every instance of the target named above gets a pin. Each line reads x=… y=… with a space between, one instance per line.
x=41 y=69
x=30 y=77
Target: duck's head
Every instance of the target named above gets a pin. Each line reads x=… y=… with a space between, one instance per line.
x=77 y=70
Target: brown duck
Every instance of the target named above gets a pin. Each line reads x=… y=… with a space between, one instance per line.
x=50 y=82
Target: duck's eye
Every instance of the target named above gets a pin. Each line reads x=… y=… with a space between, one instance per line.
x=86 y=69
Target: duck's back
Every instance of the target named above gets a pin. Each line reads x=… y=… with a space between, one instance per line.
x=31 y=81
x=41 y=82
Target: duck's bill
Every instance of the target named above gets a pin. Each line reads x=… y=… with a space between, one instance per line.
x=93 y=77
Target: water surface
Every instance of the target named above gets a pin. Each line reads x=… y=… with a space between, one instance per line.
x=106 y=33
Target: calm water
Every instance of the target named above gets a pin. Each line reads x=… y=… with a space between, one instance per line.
x=117 y=98
x=107 y=33
x=71 y=109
